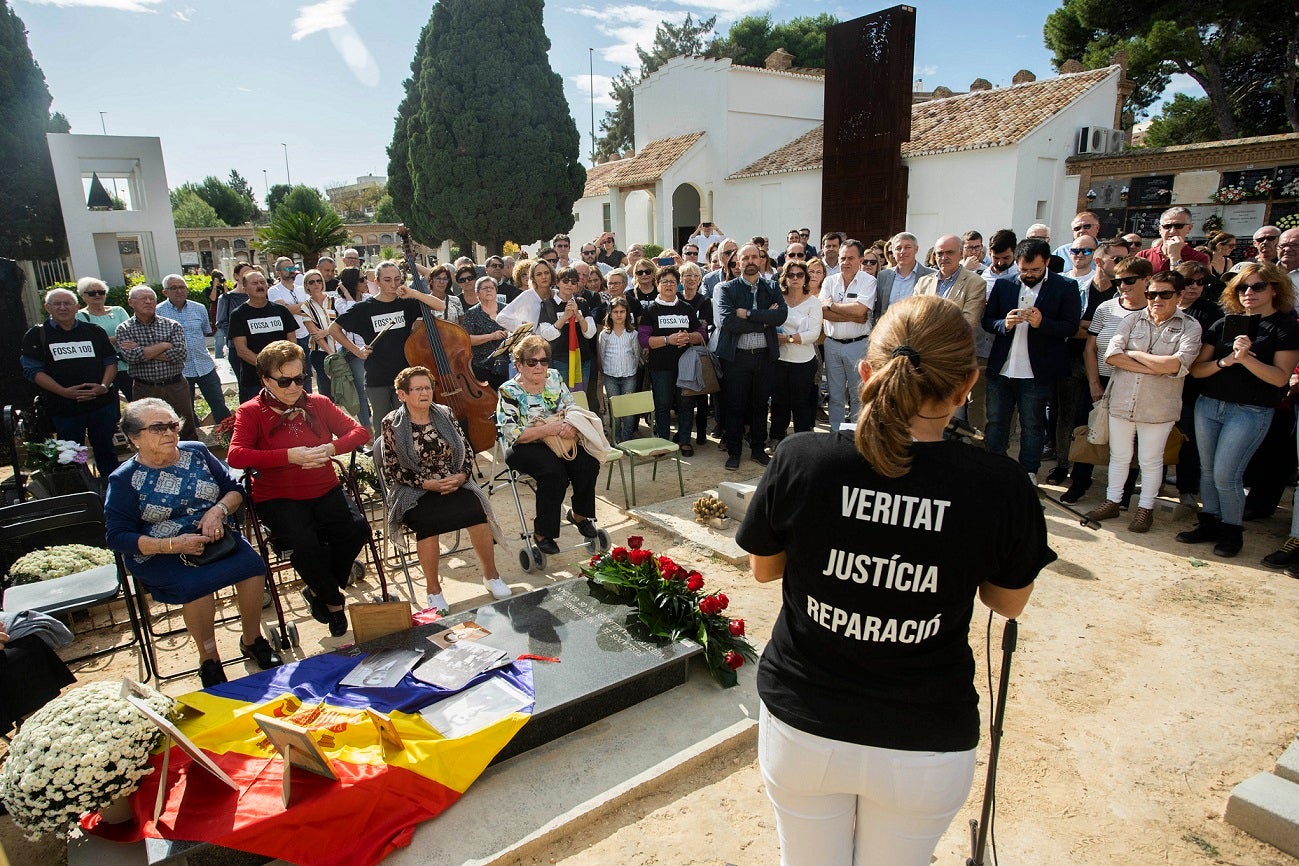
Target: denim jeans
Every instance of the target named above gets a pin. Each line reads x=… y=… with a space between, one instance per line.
x=357 y=366
x=615 y=386
x=666 y=397
x=561 y=365
x=1029 y=396
x=842 y=379
x=1227 y=435
x=219 y=338
x=210 y=385
x=305 y=343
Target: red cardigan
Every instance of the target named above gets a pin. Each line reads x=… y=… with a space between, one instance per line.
x=254 y=446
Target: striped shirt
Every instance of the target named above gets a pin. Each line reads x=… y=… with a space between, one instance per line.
x=1105 y=324
x=619 y=353
x=194 y=322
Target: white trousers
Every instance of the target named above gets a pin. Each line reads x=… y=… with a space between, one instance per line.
x=841 y=804
x=1151 y=439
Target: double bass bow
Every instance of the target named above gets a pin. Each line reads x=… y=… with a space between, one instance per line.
x=444 y=348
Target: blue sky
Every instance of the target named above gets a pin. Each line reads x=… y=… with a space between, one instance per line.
x=226 y=83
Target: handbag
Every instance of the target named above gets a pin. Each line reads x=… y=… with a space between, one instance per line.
x=215 y=550
x=1173 y=447
x=1098 y=419
x=1082 y=450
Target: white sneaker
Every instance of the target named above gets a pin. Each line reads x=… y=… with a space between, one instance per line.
x=498 y=588
x=436 y=601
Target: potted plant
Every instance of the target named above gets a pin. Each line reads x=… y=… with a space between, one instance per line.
x=711 y=511
x=49 y=563
x=58 y=467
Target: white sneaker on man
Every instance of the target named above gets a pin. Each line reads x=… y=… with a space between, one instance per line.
x=498 y=588
x=436 y=601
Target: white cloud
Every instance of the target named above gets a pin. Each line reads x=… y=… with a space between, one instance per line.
x=352 y=48
x=629 y=25
x=120 y=5
x=180 y=15
x=927 y=71
x=582 y=88
x=325 y=15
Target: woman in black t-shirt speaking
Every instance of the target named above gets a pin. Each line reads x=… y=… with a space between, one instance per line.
x=869 y=717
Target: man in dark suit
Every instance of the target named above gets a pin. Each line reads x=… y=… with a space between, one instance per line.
x=751 y=309
x=899 y=281
x=1031 y=317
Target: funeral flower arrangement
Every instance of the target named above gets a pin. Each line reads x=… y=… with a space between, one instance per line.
x=1264 y=186
x=51 y=562
x=54 y=454
x=672 y=604
x=1229 y=195
x=77 y=754
x=1291 y=189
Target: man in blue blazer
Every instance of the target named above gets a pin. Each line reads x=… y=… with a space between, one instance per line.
x=901 y=279
x=1031 y=317
x=750 y=309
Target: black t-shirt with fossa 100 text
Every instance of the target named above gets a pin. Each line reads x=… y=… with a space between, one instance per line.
x=369 y=318
x=872 y=642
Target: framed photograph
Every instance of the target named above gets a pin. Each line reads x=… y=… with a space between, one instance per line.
x=296 y=745
x=164 y=724
x=383 y=669
x=474 y=709
x=469 y=630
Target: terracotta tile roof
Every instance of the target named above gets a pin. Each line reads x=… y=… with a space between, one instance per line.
x=984 y=118
x=597 y=178
x=795 y=71
x=654 y=159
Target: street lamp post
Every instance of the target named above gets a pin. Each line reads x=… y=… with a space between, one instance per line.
x=101 y=122
x=287 y=176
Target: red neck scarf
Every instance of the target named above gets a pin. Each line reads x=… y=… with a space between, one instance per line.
x=286 y=413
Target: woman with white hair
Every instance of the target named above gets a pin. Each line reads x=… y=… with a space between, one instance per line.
x=93 y=293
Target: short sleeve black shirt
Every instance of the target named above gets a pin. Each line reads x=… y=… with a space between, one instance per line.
x=370 y=317
x=1278 y=332
x=872 y=642
x=663 y=320
x=71 y=358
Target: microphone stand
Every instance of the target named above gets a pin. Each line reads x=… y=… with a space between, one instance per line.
x=979 y=828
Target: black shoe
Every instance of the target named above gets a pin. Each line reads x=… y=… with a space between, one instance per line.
x=319 y=612
x=1292 y=571
x=687 y=450
x=1207 y=529
x=338 y=622
x=760 y=457
x=1230 y=540
x=1075 y=492
x=1058 y=475
x=211 y=673
x=733 y=462
x=584 y=526
x=1048 y=452
x=260 y=651
x=546 y=545
x=701 y=439
x=1287 y=554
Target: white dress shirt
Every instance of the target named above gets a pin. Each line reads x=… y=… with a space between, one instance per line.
x=861 y=290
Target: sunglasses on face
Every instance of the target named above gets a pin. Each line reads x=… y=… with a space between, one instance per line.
x=1129 y=281
x=315 y=282
x=872 y=262
x=1168 y=227
x=286 y=381
x=1197 y=282
x=1252 y=287
x=1267 y=239
x=535 y=362
x=464 y=279
x=1079 y=251
x=1079 y=228
x=569 y=280
x=796 y=275
x=95 y=293
x=1164 y=294
x=164 y=427
x=796 y=255
x=644 y=273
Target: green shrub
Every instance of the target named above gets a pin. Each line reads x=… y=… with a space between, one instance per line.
x=651 y=250
x=198 y=285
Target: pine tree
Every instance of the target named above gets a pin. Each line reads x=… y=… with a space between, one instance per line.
x=31 y=222
x=491 y=151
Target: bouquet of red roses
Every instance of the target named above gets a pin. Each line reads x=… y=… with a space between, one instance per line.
x=673 y=605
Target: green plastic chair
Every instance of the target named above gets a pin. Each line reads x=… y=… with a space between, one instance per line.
x=649 y=449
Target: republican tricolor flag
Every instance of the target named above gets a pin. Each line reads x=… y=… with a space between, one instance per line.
x=381 y=794
x=574 y=355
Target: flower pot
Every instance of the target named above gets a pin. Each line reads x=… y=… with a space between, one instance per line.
x=74 y=478
x=117 y=812
x=717 y=522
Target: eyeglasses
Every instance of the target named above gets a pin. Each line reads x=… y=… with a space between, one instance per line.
x=1163 y=295
x=1293 y=245
x=1168 y=227
x=874 y=262
x=309 y=282
x=796 y=275
x=535 y=362
x=1252 y=287
x=1082 y=226
x=464 y=279
x=644 y=273
x=163 y=427
x=1080 y=251
x=588 y=252
x=568 y=279
x=95 y=293
x=1199 y=282
x=1267 y=239
x=795 y=255
x=286 y=381
x=1129 y=281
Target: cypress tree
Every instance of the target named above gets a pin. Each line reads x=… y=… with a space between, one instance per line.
x=31 y=222
x=491 y=151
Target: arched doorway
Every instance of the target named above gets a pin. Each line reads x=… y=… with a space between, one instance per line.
x=685 y=214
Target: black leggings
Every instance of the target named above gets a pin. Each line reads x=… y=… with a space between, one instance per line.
x=325 y=535
x=553 y=474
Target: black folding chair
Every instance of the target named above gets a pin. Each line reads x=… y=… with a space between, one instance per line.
x=77 y=518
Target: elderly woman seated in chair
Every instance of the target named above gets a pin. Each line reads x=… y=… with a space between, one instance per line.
x=428 y=464
x=171 y=500
x=530 y=409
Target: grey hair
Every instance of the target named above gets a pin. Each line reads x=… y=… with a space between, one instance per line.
x=478 y=284
x=618 y=272
x=133 y=423
x=137 y=289
x=167 y=279
x=87 y=283
x=351 y=251
x=329 y=259
x=905 y=236
x=1175 y=211
x=692 y=268
x=53 y=292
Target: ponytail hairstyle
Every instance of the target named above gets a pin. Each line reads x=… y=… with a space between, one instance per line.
x=921 y=350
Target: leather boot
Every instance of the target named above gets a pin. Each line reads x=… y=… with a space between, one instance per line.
x=1143 y=520
x=1206 y=530
x=1230 y=540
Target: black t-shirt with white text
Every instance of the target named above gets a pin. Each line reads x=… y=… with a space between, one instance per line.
x=260 y=326
x=71 y=358
x=370 y=317
x=1236 y=384
x=872 y=642
x=663 y=320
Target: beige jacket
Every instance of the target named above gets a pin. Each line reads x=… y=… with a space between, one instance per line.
x=969 y=292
